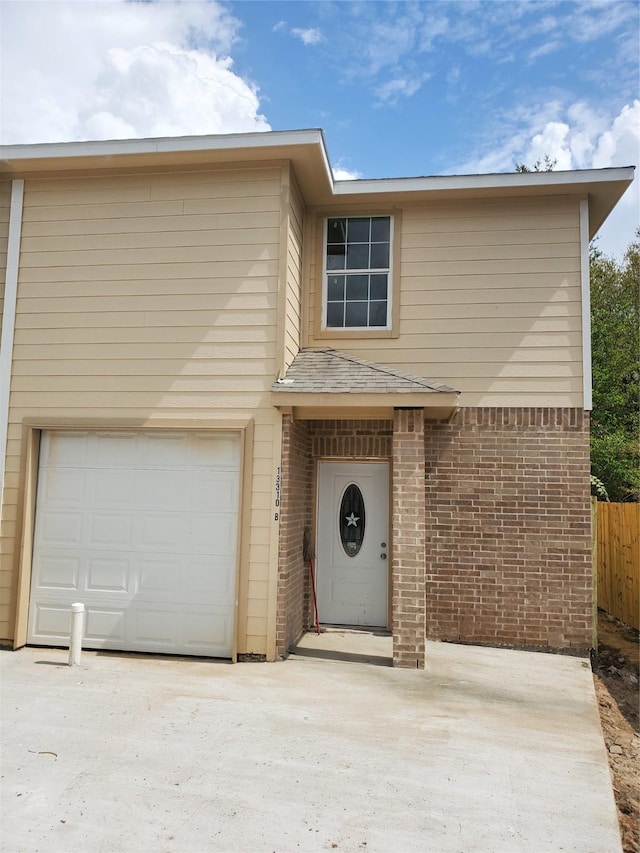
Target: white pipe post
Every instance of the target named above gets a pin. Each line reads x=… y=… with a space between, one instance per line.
x=75 y=641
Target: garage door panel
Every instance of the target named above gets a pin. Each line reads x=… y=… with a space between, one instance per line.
x=164 y=451
x=211 y=580
x=215 y=491
x=109 y=489
x=107 y=574
x=157 y=625
x=162 y=532
x=51 y=621
x=213 y=534
x=59 y=528
x=223 y=456
x=66 y=489
x=105 y=627
x=112 y=450
x=68 y=450
x=159 y=577
x=111 y=530
x=163 y=490
x=142 y=529
x=58 y=571
x=202 y=631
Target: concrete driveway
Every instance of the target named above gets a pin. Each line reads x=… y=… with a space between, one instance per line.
x=485 y=751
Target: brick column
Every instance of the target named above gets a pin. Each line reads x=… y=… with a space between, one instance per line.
x=408 y=518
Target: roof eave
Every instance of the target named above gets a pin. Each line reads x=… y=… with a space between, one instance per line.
x=350 y=399
x=305 y=149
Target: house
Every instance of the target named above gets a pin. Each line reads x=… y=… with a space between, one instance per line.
x=218 y=364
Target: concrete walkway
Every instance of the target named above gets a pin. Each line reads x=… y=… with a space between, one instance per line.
x=486 y=751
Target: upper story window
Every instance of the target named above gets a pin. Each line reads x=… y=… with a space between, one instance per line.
x=357 y=272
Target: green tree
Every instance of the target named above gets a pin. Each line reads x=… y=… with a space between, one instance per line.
x=547 y=164
x=615 y=342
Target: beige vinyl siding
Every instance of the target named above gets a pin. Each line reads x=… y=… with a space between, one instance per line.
x=5 y=206
x=293 y=307
x=152 y=298
x=490 y=301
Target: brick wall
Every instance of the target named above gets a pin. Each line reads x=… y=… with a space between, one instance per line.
x=508 y=551
x=408 y=557
x=296 y=507
x=357 y=439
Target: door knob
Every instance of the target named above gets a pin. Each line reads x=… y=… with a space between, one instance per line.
x=383 y=556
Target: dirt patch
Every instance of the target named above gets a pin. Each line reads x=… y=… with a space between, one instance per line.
x=616 y=679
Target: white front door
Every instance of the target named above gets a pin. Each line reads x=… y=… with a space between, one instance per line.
x=352 y=543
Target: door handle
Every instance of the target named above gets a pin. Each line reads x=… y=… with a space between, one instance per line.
x=383 y=556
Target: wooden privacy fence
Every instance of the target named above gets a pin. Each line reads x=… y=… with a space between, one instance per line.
x=617 y=559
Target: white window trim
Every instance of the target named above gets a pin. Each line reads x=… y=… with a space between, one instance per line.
x=323 y=317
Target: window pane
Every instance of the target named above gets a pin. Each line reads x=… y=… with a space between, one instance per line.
x=378 y=286
x=335 y=256
x=377 y=313
x=335 y=314
x=357 y=287
x=357 y=260
x=358 y=256
x=335 y=287
x=337 y=230
x=356 y=314
x=358 y=230
x=379 y=256
x=380 y=229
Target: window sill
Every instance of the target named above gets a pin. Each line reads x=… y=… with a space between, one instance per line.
x=354 y=334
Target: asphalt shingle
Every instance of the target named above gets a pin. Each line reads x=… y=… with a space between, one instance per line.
x=328 y=371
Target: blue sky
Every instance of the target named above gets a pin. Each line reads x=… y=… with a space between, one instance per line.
x=400 y=89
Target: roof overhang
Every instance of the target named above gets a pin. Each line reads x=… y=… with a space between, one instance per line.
x=306 y=151
x=323 y=406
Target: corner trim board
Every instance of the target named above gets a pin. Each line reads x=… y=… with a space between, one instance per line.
x=585 y=287
x=9 y=318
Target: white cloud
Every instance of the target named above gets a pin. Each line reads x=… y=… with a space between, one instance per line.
x=401 y=87
x=340 y=174
x=577 y=138
x=309 y=36
x=619 y=145
x=113 y=69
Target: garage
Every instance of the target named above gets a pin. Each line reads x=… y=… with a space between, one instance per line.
x=142 y=528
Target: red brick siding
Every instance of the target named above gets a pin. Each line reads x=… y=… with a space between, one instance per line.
x=296 y=507
x=408 y=556
x=508 y=553
x=353 y=439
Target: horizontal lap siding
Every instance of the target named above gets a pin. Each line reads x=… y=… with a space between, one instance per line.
x=490 y=302
x=148 y=297
x=293 y=312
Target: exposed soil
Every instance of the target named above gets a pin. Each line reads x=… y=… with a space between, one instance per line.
x=616 y=679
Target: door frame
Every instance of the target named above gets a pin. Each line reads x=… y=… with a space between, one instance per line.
x=316 y=486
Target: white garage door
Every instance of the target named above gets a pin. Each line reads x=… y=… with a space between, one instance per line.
x=142 y=529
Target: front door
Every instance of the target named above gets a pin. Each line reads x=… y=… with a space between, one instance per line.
x=352 y=543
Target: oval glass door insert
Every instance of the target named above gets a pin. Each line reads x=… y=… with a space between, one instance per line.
x=351 y=520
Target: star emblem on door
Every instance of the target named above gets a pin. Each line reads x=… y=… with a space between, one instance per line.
x=352 y=520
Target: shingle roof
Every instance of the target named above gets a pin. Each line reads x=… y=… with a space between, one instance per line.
x=327 y=371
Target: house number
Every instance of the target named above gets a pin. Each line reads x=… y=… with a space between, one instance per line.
x=276 y=515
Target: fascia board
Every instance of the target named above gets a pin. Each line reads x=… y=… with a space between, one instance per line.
x=362 y=400
x=570 y=180
x=172 y=144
